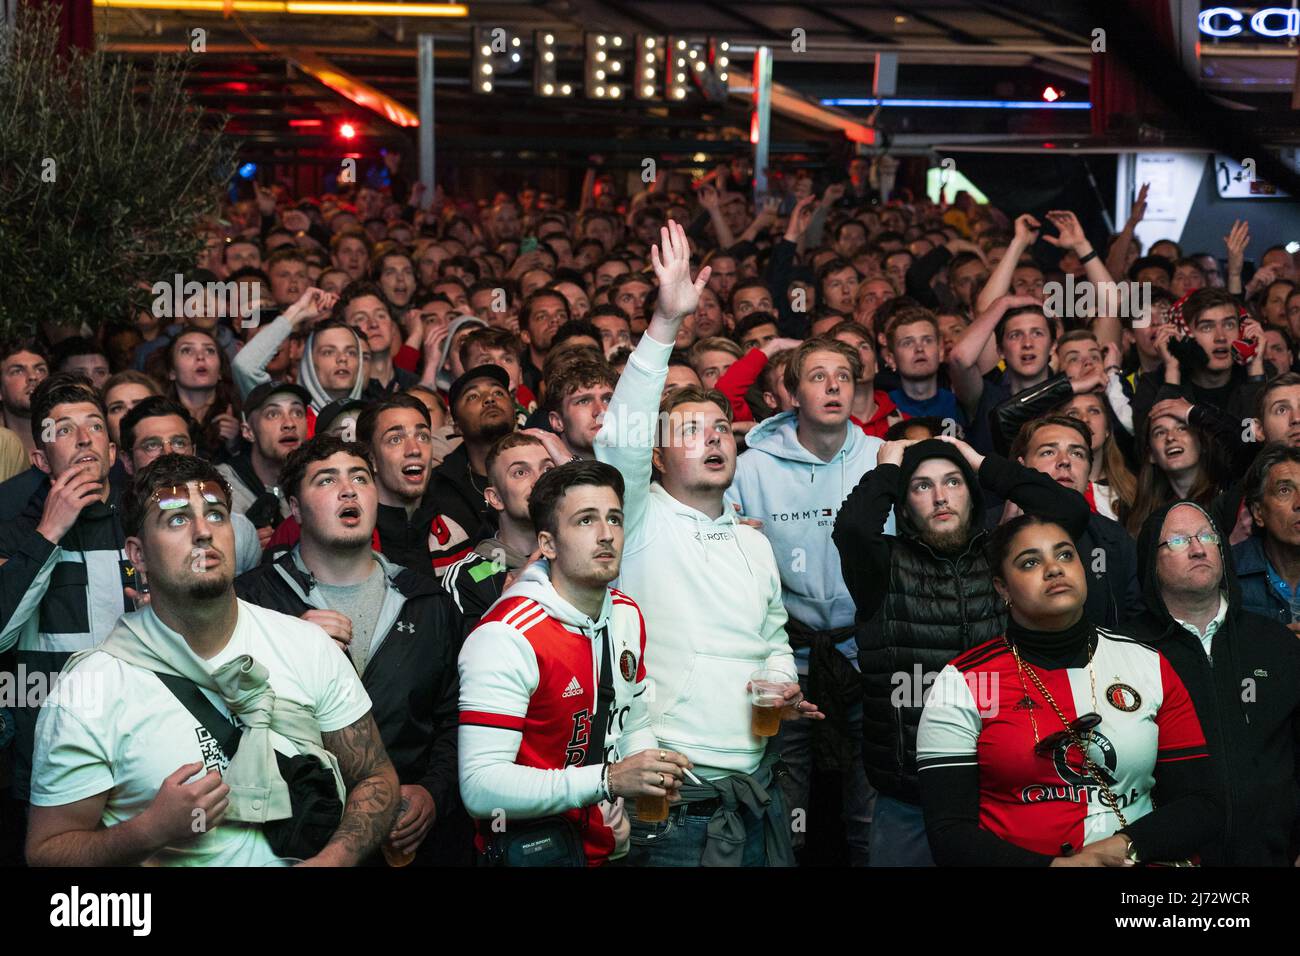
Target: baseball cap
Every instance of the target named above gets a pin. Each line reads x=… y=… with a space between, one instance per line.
x=260 y=395
x=330 y=413
x=494 y=372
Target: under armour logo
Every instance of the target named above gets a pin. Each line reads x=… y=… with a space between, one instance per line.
x=408 y=628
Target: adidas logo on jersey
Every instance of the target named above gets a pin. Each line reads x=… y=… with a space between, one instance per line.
x=574 y=689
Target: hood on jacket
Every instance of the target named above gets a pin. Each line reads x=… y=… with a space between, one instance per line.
x=778 y=437
x=308 y=380
x=445 y=377
x=1147 y=547
x=912 y=459
x=535 y=582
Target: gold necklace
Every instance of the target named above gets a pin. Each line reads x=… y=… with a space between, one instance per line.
x=1106 y=796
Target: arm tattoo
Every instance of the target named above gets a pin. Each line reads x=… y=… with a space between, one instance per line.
x=372 y=789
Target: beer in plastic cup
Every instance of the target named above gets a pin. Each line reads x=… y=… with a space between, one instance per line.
x=767 y=699
x=392 y=855
x=651 y=809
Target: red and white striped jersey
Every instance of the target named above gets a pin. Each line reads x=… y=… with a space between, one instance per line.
x=529 y=685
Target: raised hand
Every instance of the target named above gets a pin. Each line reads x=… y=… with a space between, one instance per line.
x=1139 y=205
x=800 y=218
x=1236 y=240
x=678 y=295
x=1067 y=224
x=1027 y=229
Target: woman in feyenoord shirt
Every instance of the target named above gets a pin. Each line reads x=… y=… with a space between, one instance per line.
x=1001 y=747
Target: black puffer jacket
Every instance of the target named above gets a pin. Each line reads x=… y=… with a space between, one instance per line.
x=917 y=608
x=1248 y=702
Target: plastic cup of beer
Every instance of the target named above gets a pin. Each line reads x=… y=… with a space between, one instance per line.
x=392 y=855
x=395 y=857
x=767 y=699
x=651 y=809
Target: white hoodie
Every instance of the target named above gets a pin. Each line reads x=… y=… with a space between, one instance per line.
x=708 y=587
x=527 y=694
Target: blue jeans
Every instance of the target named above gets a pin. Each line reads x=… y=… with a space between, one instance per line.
x=679 y=840
x=794 y=743
x=898 y=834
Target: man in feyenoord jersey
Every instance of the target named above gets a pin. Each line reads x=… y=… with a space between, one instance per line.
x=553 y=717
x=1004 y=782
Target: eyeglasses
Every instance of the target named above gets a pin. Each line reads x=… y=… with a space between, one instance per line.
x=179 y=444
x=1078 y=727
x=1180 y=542
x=175 y=497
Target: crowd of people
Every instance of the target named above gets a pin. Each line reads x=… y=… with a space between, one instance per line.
x=670 y=530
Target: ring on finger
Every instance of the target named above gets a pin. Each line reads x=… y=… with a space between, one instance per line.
x=661 y=779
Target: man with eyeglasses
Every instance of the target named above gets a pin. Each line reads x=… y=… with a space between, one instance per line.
x=1202 y=363
x=1242 y=671
x=275 y=423
x=158 y=426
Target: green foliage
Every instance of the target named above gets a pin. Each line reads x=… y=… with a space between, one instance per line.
x=106 y=177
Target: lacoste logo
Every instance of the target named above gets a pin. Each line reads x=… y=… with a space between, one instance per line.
x=574 y=689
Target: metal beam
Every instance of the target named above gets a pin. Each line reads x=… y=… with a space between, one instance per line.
x=425 y=47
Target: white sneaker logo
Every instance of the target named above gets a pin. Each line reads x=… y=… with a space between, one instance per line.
x=574 y=689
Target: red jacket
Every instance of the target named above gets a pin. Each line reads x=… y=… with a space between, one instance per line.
x=879 y=423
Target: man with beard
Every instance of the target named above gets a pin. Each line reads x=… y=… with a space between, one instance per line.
x=540 y=317
x=399 y=630
x=484 y=411
x=712 y=594
x=64 y=568
x=553 y=705
x=362 y=306
x=275 y=423
x=923 y=596
x=121 y=780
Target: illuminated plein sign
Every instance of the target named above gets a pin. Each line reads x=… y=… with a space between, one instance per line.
x=614 y=66
x=1266 y=22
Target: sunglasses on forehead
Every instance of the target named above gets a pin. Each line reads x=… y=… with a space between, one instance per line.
x=172 y=497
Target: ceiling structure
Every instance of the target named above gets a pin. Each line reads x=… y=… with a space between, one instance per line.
x=264 y=71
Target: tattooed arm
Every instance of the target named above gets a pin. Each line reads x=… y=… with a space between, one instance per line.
x=372 y=794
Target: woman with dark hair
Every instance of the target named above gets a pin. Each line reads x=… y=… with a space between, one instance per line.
x=1044 y=747
x=1181 y=460
x=198 y=376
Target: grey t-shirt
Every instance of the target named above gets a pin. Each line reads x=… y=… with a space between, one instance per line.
x=360 y=603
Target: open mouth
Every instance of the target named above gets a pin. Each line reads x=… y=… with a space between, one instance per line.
x=714 y=461
x=86 y=460
x=290 y=441
x=834 y=405
x=350 y=516
x=1174 y=452
x=413 y=472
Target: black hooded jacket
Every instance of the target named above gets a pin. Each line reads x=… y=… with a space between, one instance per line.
x=1248 y=700
x=918 y=608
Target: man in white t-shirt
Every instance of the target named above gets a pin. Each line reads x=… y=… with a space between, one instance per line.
x=123 y=773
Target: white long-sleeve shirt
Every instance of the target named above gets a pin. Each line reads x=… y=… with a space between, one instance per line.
x=709 y=589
